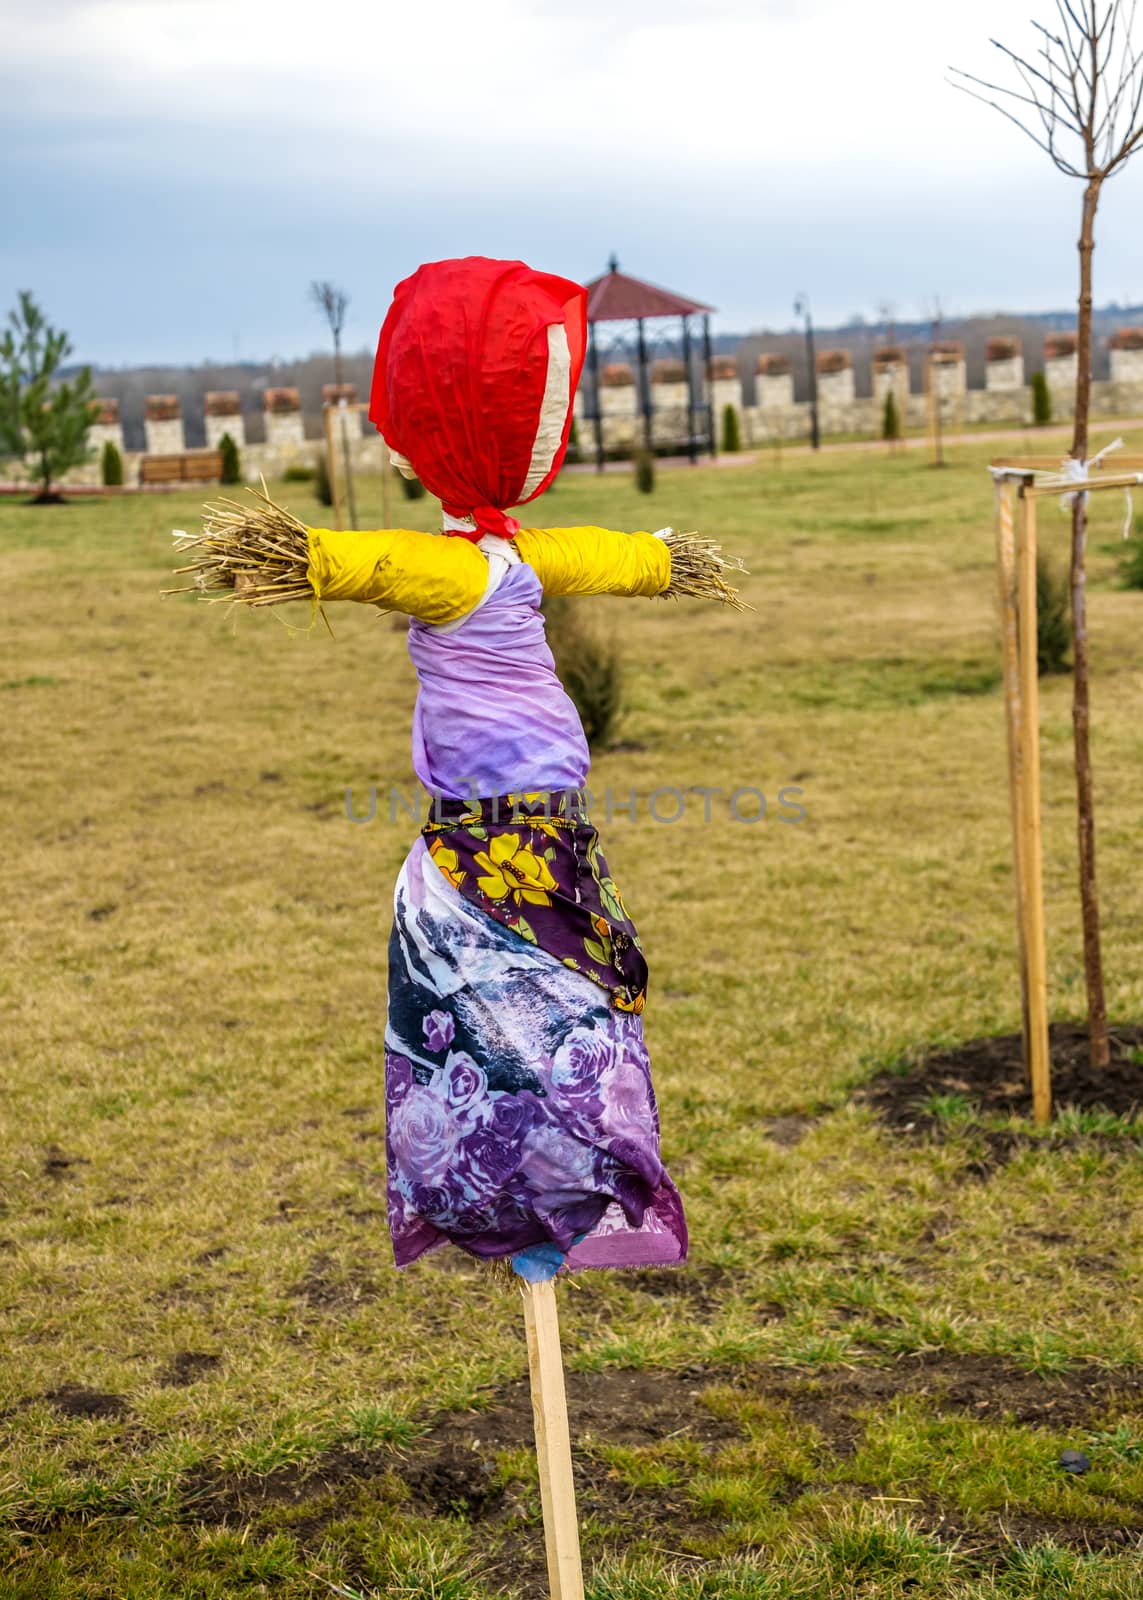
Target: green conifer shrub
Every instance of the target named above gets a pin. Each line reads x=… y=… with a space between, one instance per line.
x=731 y=432
x=1053 y=620
x=1041 y=400
x=111 y=465
x=644 y=471
x=322 y=487
x=590 y=669
x=231 y=461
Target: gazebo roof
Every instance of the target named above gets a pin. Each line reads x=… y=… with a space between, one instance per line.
x=616 y=297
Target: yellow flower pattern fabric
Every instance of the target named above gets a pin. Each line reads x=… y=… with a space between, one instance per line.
x=534 y=863
x=512 y=870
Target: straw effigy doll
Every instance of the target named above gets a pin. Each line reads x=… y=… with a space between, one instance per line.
x=521 y=1119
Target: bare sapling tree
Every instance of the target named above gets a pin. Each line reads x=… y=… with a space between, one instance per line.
x=334 y=303
x=1080 y=100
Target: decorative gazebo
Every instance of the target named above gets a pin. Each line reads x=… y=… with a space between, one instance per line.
x=618 y=298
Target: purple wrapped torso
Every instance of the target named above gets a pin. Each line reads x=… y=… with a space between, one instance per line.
x=492 y=716
x=520 y=1114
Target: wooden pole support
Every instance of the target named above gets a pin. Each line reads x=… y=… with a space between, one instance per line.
x=553 y=1442
x=1032 y=844
x=1009 y=637
x=386 y=485
x=332 y=467
x=347 y=463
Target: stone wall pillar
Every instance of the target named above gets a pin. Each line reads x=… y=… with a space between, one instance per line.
x=890 y=374
x=836 y=388
x=1127 y=356
x=285 y=428
x=349 y=425
x=725 y=390
x=163 y=425
x=773 y=383
x=1004 y=364
x=948 y=374
x=668 y=401
x=1061 y=363
x=223 y=414
x=106 y=427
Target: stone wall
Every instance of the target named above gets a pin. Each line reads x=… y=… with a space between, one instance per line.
x=775 y=416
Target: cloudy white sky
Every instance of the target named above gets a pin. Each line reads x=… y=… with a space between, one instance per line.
x=176 y=171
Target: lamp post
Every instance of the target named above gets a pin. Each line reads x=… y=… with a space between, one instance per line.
x=802 y=309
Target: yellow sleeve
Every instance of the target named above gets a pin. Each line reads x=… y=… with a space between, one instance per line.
x=399 y=569
x=595 y=560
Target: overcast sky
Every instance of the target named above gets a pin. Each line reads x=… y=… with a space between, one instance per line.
x=176 y=171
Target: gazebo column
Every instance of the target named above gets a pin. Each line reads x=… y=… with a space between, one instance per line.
x=708 y=389
x=690 y=389
x=593 y=354
x=644 y=385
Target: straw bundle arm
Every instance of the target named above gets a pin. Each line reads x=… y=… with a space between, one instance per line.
x=259 y=554
x=698 y=566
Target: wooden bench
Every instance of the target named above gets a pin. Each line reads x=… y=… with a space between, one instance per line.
x=191 y=466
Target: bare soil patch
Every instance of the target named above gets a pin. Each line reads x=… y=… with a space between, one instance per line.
x=450 y=1470
x=989 y=1074
x=74 y=1400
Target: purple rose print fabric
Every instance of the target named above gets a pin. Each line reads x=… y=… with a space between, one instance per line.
x=519 y=1104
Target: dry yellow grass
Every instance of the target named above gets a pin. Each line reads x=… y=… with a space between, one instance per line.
x=193 y=994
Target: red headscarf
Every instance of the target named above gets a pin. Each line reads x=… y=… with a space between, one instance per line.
x=476 y=370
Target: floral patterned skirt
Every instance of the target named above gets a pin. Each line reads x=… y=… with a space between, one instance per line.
x=519 y=1104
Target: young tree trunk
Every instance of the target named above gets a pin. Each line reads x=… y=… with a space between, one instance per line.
x=1085 y=810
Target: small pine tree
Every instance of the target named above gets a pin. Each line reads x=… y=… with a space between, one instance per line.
x=644 y=471
x=231 y=461
x=589 y=668
x=731 y=433
x=1131 y=566
x=111 y=465
x=1053 y=622
x=323 y=489
x=1041 y=400
x=890 y=418
x=42 y=415
x=411 y=488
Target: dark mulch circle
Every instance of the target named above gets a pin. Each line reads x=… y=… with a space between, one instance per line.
x=990 y=1074
x=76 y=1400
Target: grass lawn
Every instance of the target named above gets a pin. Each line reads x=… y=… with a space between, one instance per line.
x=215 y=1383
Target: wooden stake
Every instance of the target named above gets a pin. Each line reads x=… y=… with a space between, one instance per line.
x=553 y=1442
x=331 y=466
x=347 y=463
x=1032 y=861
x=386 y=482
x=1006 y=577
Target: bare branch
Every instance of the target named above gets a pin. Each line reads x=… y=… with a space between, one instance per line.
x=333 y=302
x=1046 y=146
x=999 y=88
x=1084 y=81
